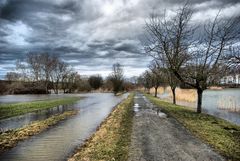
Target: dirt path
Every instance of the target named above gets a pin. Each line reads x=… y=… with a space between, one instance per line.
x=156 y=137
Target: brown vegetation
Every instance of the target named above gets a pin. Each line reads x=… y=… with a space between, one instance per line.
x=188 y=95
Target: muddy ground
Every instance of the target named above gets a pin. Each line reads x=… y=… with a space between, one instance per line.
x=157 y=137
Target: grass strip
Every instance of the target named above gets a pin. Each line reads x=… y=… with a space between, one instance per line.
x=112 y=139
x=9 y=139
x=9 y=110
x=222 y=135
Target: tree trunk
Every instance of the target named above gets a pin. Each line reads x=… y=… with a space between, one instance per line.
x=155 y=95
x=46 y=88
x=199 y=101
x=174 y=95
x=148 y=90
x=57 y=83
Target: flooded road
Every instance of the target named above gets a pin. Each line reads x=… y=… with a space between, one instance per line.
x=58 y=143
x=214 y=100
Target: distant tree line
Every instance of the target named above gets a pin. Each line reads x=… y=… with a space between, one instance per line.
x=40 y=73
x=195 y=56
x=45 y=71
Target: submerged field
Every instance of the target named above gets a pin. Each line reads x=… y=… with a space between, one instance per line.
x=14 y=109
x=9 y=139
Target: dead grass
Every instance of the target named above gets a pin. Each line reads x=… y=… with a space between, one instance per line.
x=188 y=95
x=112 y=139
x=9 y=139
x=160 y=90
x=228 y=103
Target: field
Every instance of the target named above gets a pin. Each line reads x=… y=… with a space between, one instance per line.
x=9 y=110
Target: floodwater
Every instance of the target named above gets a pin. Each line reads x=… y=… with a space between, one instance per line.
x=215 y=100
x=19 y=121
x=59 y=142
x=29 y=97
x=25 y=119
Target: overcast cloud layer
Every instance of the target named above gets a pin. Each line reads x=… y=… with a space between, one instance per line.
x=90 y=35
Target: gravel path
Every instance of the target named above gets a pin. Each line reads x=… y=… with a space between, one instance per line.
x=156 y=137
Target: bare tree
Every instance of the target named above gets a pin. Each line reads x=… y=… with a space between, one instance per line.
x=146 y=80
x=233 y=58
x=168 y=78
x=47 y=65
x=95 y=81
x=12 y=76
x=70 y=80
x=172 y=81
x=23 y=69
x=34 y=65
x=157 y=76
x=58 y=73
x=195 y=62
x=117 y=78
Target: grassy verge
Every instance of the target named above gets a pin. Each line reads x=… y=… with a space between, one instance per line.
x=10 y=138
x=9 y=110
x=222 y=135
x=112 y=139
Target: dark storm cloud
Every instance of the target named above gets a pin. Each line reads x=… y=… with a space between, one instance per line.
x=90 y=35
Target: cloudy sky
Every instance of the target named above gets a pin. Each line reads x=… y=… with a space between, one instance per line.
x=90 y=35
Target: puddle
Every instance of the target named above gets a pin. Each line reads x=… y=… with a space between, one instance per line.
x=136 y=107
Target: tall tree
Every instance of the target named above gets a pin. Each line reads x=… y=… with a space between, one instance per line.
x=59 y=69
x=47 y=65
x=195 y=62
x=34 y=65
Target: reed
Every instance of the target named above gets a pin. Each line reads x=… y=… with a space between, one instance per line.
x=228 y=103
x=188 y=95
x=161 y=90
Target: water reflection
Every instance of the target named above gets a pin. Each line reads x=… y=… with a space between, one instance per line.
x=19 y=121
x=59 y=142
x=212 y=102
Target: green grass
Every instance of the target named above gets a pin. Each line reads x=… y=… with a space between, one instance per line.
x=10 y=138
x=222 y=135
x=112 y=139
x=9 y=110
